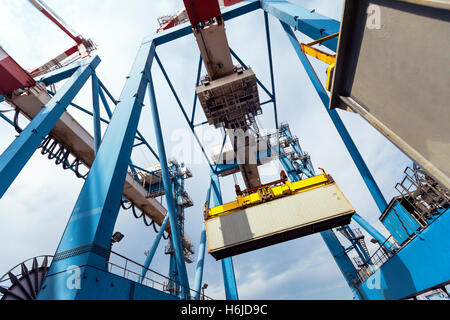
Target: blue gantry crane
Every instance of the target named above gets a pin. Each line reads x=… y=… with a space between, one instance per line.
x=413 y=259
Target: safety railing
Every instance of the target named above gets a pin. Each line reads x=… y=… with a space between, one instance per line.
x=378 y=259
x=131 y=270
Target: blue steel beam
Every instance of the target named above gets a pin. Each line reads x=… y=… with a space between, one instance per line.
x=229 y=278
x=20 y=151
x=167 y=184
x=178 y=190
x=80 y=108
x=86 y=240
x=197 y=82
x=96 y=113
x=6 y=119
x=308 y=22
x=200 y=263
x=342 y=130
x=272 y=79
x=155 y=245
x=344 y=263
x=108 y=111
x=266 y=102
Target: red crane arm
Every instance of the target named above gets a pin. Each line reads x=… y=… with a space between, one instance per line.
x=202 y=10
x=12 y=75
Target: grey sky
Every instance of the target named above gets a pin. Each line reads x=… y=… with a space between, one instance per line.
x=37 y=206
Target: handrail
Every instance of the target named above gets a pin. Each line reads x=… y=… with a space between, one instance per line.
x=126 y=274
x=145 y=280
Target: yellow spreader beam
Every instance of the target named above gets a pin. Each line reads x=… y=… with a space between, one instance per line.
x=267 y=193
x=329 y=59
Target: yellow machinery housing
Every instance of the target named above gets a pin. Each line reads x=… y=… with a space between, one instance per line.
x=323 y=56
x=275 y=214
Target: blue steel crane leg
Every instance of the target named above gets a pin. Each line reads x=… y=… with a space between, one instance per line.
x=87 y=238
x=229 y=278
x=344 y=134
x=167 y=184
x=22 y=148
x=197 y=82
x=308 y=22
x=96 y=113
x=152 y=252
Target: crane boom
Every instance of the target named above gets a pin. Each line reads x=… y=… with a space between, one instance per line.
x=53 y=17
x=83 y=46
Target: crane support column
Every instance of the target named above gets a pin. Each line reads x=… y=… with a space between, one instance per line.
x=227 y=263
x=20 y=151
x=167 y=183
x=84 y=247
